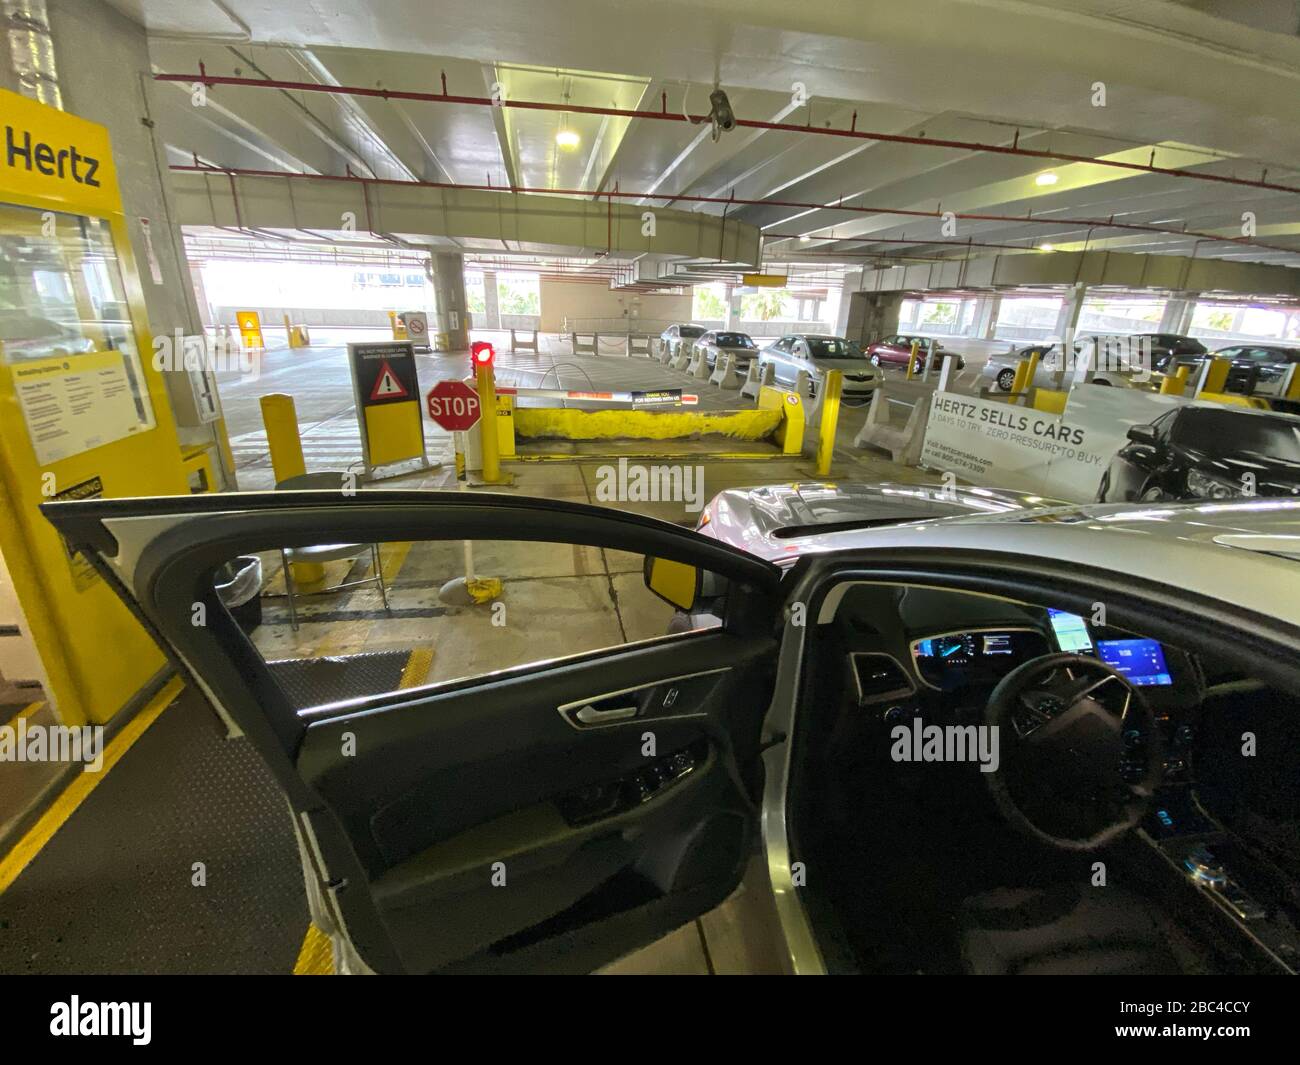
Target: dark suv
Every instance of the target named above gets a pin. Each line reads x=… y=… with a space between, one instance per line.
x=1196 y=452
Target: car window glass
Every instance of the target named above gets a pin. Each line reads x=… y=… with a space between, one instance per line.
x=692 y=332
x=540 y=601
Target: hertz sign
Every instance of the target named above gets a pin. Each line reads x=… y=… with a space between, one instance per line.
x=51 y=154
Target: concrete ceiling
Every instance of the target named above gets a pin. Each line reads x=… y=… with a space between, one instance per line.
x=1187 y=88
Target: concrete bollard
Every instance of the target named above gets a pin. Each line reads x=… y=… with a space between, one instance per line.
x=757 y=379
x=804 y=386
x=699 y=365
x=724 y=374
x=679 y=361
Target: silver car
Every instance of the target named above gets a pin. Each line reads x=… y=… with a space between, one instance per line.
x=816 y=354
x=1112 y=366
x=718 y=342
x=679 y=336
x=1041 y=741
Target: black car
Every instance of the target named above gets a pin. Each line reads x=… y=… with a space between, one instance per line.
x=1171 y=350
x=1201 y=452
x=1252 y=364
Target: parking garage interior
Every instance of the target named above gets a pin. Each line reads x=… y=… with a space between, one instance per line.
x=726 y=269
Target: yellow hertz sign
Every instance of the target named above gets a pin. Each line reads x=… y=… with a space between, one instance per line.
x=53 y=155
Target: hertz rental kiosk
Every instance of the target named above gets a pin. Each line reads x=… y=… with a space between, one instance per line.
x=83 y=413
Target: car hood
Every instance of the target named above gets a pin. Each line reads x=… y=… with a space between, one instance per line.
x=1272 y=475
x=769 y=521
x=848 y=366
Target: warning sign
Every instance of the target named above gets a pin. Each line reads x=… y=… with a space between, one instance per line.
x=384 y=373
x=387 y=392
x=387 y=386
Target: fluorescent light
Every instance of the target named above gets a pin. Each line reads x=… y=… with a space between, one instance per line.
x=567 y=138
x=1047 y=247
x=1046 y=179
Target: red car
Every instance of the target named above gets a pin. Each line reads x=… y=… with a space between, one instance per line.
x=897 y=349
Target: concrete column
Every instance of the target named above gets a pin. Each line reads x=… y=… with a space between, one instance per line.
x=1177 y=315
x=872 y=315
x=733 y=309
x=851 y=283
x=449 y=294
x=491 y=306
x=1067 y=319
x=986 y=317
x=201 y=296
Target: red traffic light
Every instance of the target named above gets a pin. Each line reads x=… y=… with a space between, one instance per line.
x=481 y=353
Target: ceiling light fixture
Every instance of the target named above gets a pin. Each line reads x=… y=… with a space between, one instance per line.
x=1047 y=179
x=1047 y=247
x=568 y=138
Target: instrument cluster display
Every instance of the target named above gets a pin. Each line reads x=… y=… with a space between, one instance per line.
x=955 y=659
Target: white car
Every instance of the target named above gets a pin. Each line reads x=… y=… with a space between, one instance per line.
x=933 y=733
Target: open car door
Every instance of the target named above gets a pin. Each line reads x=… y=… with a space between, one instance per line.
x=544 y=811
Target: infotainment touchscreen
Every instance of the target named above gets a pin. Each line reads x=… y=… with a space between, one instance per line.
x=1141 y=661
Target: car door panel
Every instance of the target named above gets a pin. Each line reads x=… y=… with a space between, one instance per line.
x=407 y=802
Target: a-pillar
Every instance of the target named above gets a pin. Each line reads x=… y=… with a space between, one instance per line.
x=1177 y=315
x=449 y=294
x=1067 y=318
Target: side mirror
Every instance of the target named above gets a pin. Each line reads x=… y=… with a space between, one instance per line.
x=1143 y=434
x=676 y=583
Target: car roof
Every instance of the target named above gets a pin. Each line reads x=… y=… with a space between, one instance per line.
x=1244 y=552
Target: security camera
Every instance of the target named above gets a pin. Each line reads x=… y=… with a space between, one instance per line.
x=721 y=115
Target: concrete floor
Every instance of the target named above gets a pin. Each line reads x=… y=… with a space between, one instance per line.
x=319 y=381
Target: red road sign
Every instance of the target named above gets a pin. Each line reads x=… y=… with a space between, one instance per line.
x=454 y=406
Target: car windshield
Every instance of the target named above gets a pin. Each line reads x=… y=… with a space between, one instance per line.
x=691 y=331
x=734 y=340
x=831 y=348
x=1228 y=432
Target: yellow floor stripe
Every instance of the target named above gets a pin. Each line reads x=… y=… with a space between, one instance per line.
x=418 y=664
x=82 y=785
x=316 y=956
x=392 y=556
x=28 y=711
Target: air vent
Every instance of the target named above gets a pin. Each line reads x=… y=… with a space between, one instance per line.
x=879 y=677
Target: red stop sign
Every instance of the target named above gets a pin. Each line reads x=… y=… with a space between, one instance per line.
x=454 y=406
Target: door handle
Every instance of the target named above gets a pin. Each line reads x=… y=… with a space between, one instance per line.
x=589 y=715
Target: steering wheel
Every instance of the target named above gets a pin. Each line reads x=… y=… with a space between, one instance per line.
x=1080 y=752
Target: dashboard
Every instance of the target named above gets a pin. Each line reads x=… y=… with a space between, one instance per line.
x=951 y=660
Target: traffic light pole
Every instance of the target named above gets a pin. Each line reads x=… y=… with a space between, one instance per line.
x=487 y=398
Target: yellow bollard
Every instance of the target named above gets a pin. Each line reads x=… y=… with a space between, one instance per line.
x=281 y=420
x=1217 y=376
x=399 y=330
x=1174 y=383
x=487 y=402
x=834 y=385
x=911 y=360
x=285 y=444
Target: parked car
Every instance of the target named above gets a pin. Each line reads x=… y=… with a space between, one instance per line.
x=1114 y=365
x=816 y=354
x=778 y=731
x=896 y=350
x=675 y=337
x=1257 y=368
x=1171 y=350
x=1206 y=451
x=725 y=342
x=26 y=336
